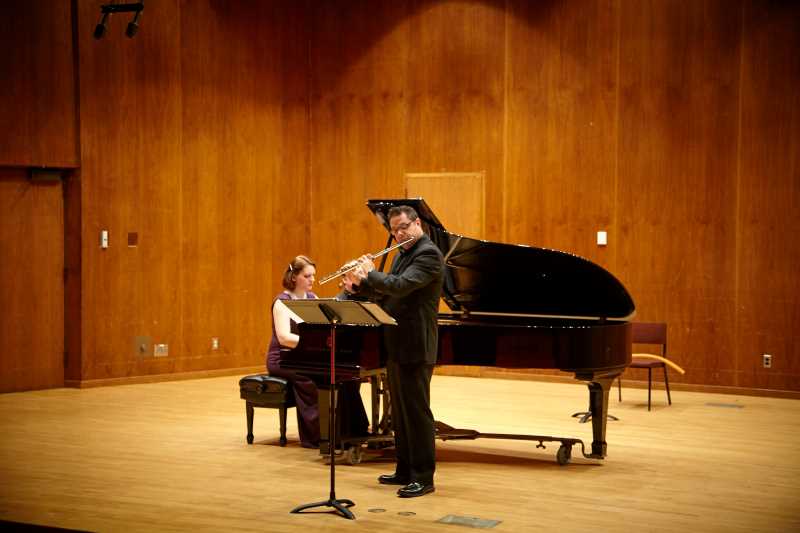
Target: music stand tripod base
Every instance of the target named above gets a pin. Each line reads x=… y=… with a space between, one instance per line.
x=339 y=505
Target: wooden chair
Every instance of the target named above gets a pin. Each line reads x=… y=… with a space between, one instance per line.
x=655 y=334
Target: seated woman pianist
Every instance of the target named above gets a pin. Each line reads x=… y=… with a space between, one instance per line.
x=298 y=280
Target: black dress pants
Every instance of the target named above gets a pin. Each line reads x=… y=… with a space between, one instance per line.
x=412 y=420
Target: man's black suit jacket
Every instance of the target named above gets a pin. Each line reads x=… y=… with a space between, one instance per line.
x=410 y=293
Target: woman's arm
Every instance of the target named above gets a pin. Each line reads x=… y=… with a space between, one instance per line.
x=282 y=316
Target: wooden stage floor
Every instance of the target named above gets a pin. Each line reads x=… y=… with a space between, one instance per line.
x=173 y=457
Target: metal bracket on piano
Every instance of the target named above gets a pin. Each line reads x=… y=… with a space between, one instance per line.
x=563 y=455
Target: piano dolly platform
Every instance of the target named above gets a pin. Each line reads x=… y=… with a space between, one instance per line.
x=563 y=455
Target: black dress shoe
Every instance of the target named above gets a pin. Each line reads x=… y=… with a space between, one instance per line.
x=392 y=479
x=415 y=489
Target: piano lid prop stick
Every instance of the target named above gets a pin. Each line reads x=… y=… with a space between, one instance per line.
x=352 y=266
x=662 y=359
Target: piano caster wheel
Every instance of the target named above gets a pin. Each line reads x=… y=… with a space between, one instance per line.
x=249 y=439
x=564 y=454
x=354 y=455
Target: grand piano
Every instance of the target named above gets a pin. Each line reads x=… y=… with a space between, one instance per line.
x=567 y=313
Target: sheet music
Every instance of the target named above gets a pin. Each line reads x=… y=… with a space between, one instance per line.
x=292 y=314
x=308 y=308
x=350 y=312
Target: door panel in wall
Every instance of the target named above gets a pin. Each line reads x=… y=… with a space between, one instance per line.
x=31 y=283
x=457 y=199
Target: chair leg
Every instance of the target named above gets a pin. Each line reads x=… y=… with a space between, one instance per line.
x=249 y=410
x=666 y=385
x=619 y=387
x=649 y=385
x=282 y=415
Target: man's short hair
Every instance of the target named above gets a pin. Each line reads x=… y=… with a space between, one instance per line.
x=398 y=210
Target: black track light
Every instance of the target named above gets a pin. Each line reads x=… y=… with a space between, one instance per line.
x=133 y=26
x=102 y=27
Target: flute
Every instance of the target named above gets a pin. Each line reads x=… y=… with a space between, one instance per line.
x=348 y=267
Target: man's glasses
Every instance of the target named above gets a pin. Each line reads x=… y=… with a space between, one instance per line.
x=401 y=227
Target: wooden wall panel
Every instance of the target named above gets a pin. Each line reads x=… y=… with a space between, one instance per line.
x=38 y=117
x=562 y=126
x=194 y=138
x=392 y=94
x=768 y=292
x=31 y=283
x=358 y=67
x=455 y=90
x=677 y=173
x=130 y=115
x=231 y=136
x=612 y=115
x=245 y=186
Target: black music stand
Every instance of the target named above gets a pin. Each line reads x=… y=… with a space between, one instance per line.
x=338 y=314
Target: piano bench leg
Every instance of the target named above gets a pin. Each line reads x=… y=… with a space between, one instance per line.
x=250 y=412
x=282 y=411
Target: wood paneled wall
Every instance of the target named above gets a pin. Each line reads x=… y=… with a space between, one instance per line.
x=38 y=127
x=194 y=138
x=31 y=283
x=38 y=116
x=670 y=125
x=675 y=238
x=767 y=292
x=230 y=136
x=393 y=94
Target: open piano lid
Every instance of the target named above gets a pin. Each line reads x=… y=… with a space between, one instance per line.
x=492 y=278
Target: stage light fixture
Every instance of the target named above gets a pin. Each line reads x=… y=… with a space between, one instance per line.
x=102 y=27
x=133 y=26
x=108 y=9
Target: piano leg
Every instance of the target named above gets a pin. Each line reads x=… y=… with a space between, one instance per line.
x=598 y=405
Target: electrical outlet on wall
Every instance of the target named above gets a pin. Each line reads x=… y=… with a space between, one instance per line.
x=215 y=343
x=766 y=360
x=160 y=350
x=143 y=346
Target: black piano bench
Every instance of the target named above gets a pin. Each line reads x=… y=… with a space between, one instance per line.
x=263 y=390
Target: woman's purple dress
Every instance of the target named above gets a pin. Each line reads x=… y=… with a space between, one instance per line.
x=305 y=390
